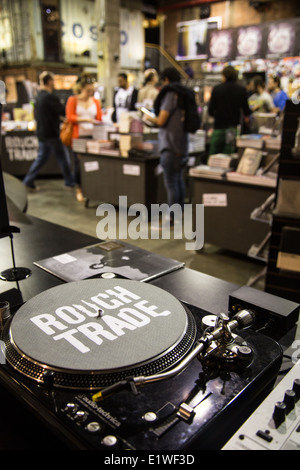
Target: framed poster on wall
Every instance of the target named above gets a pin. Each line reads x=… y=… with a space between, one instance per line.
x=192 y=37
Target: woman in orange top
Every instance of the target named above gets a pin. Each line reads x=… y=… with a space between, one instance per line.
x=83 y=110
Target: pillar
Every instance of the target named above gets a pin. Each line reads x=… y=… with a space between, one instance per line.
x=108 y=22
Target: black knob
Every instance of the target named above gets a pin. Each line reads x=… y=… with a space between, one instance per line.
x=80 y=416
x=296 y=387
x=289 y=399
x=48 y=377
x=279 y=412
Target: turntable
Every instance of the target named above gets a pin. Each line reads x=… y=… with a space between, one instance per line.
x=120 y=364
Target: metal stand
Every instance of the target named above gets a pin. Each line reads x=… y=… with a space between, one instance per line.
x=6 y=230
x=14 y=274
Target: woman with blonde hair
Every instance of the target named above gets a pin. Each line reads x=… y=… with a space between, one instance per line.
x=149 y=91
x=83 y=110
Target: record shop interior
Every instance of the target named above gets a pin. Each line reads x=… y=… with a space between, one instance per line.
x=122 y=329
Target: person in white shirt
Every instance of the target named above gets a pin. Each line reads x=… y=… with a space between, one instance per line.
x=261 y=100
x=124 y=98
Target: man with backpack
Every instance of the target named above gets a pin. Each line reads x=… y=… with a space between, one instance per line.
x=171 y=118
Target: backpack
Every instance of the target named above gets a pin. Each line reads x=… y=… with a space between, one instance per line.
x=186 y=101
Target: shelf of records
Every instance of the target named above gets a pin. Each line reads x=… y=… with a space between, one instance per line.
x=286 y=208
x=288 y=257
x=255 y=162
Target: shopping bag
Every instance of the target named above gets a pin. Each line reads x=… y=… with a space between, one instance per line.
x=66 y=132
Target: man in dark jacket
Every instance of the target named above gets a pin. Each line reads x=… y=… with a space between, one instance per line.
x=228 y=106
x=48 y=114
x=172 y=138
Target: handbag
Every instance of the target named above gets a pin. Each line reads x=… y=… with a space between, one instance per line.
x=66 y=133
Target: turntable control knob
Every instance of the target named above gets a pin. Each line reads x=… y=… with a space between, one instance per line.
x=296 y=387
x=81 y=415
x=109 y=440
x=71 y=406
x=48 y=377
x=289 y=399
x=93 y=427
x=209 y=321
x=279 y=412
x=244 y=351
x=150 y=416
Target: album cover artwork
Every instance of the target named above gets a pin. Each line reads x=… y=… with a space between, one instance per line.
x=249 y=42
x=116 y=257
x=221 y=45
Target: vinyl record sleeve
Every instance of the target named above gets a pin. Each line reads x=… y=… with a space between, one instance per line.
x=115 y=257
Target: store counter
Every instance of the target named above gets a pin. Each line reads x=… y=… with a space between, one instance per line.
x=228 y=206
x=105 y=178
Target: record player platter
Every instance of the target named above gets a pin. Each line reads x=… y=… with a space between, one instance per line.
x=93 y=333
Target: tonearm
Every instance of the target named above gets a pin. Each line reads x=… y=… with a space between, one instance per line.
x=219 y=338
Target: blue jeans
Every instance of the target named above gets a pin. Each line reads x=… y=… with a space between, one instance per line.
x=76 y=165
x=61 y=154
x=173 y=166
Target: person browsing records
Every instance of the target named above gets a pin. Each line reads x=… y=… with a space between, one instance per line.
x=278 y=94
x=229 y=107
x=83 y=110
x=125 y=98
x=172 y=138
x=261 y=101
x=149 y=91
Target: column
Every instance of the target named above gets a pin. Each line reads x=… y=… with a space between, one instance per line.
x=108 y=22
